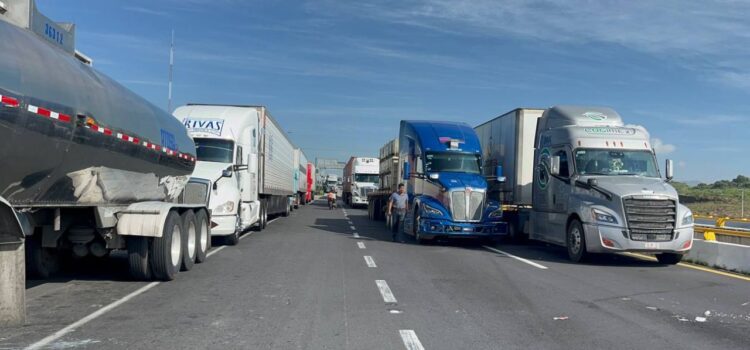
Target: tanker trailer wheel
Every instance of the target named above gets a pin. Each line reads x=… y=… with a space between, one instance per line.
x=138 y=257
x=669 y=258
x=204 y=236
x=576 y=242
x=166 y=251
x=41 y=262
x=189 y=239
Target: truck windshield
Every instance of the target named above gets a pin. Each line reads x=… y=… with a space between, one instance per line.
x=452 y=162
x=366 y=178
x=609 y=162
x=214 y=150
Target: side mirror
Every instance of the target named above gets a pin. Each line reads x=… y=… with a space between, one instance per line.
x=554 y=165
x=227 y=172
x=407 y=171
x=253 y=162
x=499 y=173
x=239 y=167
x=669 y=170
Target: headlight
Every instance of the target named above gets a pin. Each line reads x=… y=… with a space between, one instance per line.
x=431 y=211
x=687 y=220
x=226 y=208
x=601 y=216
x=497 y=213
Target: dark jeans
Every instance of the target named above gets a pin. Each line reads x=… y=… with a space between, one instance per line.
x=397 y=222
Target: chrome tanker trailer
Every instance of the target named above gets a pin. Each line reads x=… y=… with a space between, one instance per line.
x=86 y=165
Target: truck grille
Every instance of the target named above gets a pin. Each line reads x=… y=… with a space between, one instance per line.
x=467 y=206
x=651 y=220
x=365 y=191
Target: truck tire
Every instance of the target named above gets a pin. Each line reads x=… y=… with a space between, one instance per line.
x=576 y=241
x=234 y=238
x=189 y=239
x=287 y=211
x=41 y=262
x=415 y=228
x=265 y=214
x=204 y=236
x=669 y=258
x=166 y=251
x=138 y=258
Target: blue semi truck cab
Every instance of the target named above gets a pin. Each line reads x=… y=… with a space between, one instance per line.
x=441 y=167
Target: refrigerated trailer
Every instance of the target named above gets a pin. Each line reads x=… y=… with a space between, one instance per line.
x=581 y=178
x=88 y=166
x=301 y=182
x=248 y=160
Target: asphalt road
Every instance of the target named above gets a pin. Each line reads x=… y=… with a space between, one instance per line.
x=325 y=279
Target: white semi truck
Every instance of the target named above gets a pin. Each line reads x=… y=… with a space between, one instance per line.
x=360 y=178
x=580 y=178
x=249 y=161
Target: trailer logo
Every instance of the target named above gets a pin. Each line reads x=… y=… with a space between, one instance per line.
x=596 y=116
x=210 y=126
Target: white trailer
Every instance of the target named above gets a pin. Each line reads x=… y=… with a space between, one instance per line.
x=300 y=177
x=247 y=158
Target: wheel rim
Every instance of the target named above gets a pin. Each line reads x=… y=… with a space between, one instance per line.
x=204 y=236
x=575 y=240
x=191 y=240
x=176 y=246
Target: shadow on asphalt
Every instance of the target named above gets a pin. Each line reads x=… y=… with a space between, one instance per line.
x=544 y=252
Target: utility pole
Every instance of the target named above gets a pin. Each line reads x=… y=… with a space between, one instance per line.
x=171 y=64
x=742 y=214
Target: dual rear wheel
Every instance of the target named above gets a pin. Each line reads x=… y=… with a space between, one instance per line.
x=185 y=240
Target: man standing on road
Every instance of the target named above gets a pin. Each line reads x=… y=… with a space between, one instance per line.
x=398 y=199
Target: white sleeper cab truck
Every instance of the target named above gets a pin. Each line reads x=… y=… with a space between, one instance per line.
x=360 y=178
x=580 y=178
x=246 y=187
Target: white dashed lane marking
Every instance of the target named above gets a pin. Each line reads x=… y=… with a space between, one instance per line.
x=370 y=262
x=385 y=292
x=361 y=245
x=411 y=342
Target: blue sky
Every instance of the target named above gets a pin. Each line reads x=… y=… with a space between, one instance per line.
x=339 y=75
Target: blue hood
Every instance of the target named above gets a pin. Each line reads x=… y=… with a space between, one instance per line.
x=451 y=180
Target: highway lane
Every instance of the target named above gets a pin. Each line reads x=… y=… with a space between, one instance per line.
x=305 y=282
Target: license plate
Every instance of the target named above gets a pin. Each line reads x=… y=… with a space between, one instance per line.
x=652 y=245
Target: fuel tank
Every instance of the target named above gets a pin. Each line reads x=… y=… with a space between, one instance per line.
x=70 y=136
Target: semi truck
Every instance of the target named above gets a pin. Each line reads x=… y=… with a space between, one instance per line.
x=311 y=183
x=579 y=177
x=388 y=180
x=440 y=164
x=360 y=178
x=331 y=182
x=248 y=160
x=301 y=182
x=88 y=166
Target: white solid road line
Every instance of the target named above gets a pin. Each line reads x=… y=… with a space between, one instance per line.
x=539 y=266
x=361 y=245
x=385 y=292
x=75 y=325
x=61 y=333
x=271 y=221
x=370 y=262
x=411 y=342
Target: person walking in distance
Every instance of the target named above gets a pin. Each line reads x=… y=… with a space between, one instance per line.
x=397 y=211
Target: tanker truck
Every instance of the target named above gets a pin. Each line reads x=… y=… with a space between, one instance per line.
x=87 y=166
x=579 y=177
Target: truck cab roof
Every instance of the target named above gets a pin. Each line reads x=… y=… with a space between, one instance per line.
x=589 y=127
x=441 y=136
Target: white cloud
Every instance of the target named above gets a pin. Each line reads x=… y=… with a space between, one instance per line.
x=662 y=148
x=710 y=37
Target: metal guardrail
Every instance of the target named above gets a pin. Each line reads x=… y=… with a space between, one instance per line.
x=720 y=228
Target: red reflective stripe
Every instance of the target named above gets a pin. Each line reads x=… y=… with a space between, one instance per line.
x=135 y=140
x=44 y=112
x=9 y=101
x=64 y=117
x=107 y=132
